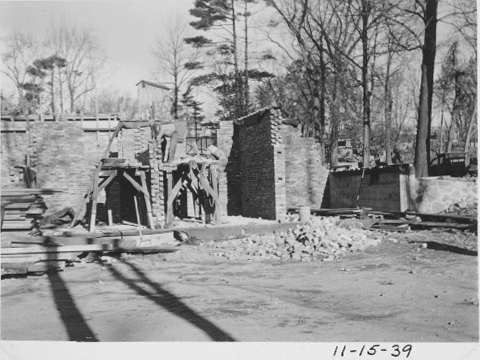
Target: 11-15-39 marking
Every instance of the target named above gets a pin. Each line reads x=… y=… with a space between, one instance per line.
x=394 y=350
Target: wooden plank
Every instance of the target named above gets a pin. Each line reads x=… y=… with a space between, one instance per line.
x=32 y=211
x=427 y=224
x=438 y=217
x=27 y=192
x=6 y=260
x=24 y=206
x=32 y=267
x=82 y=248
x=13 y=217
x=17 y=225
x=57 y=249
x=65 y=256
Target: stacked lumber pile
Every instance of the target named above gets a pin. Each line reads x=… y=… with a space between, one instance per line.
x=21 y=207
x=31 y=254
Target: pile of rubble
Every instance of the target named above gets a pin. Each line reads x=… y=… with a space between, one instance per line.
x=322 y=238
x=463 y=208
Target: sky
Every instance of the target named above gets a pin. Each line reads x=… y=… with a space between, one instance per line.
x=127 y=29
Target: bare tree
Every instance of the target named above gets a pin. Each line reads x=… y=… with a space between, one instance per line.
x=428 y=13
x=174 y=58
x=21 y=51
x=85 y=60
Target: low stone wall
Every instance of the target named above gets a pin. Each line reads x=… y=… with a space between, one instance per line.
x=432 y=195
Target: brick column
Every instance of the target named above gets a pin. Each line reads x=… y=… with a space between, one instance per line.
x=279 y=164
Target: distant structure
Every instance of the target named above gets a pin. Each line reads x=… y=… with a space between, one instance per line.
x=154 y=101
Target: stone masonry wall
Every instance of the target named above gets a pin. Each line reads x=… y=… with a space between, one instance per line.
x=306 y=177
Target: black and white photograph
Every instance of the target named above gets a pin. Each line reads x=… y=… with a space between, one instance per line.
x=295 y=176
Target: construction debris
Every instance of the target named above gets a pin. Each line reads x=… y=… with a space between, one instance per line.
x=319 y=239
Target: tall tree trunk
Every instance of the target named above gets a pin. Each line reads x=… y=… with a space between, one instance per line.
x=246 y=59
x=422 y=146
x=366 y=94
x=451 y=132
x=238 y=80
x=175 y=96
x=52 y=91
x=60 y=85
x=323 y=79
x=71 y=91
x=470 y=126
x=442 y=121
x=334 y=124
x=388 y=112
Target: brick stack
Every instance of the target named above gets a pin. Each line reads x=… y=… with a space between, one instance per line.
x=157 y=183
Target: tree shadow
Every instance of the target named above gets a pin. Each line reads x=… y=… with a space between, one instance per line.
x=171 y=303
x=74 y=322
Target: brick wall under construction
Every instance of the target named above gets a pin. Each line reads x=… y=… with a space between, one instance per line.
x=270 y=166
x=306 y=178
x=64 y=155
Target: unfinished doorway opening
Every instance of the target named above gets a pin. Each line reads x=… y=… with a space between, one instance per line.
x=120 y=200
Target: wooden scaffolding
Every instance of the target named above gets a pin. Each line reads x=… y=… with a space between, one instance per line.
x=197 y=175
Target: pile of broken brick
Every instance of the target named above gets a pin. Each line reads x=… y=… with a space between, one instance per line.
x=320 y=239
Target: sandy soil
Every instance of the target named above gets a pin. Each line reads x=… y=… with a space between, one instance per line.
x=415 y=287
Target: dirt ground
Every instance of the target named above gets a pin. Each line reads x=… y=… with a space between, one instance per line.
x=413 y=287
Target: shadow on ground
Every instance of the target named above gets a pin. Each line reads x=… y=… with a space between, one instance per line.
x=75 y=324
x=170 y=302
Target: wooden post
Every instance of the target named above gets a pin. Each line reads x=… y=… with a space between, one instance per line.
x=147 y=199
x=169 y=215
x=138 y=218
x=218 y=216
x=93 y=216
x=110 y=216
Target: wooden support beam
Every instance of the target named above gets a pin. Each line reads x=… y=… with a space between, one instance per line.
x=86 y=197
x=178 y=186
x=93 y=216
x=107 y=181
x=203 y=180
x=147 y=200
x=169 y=215
x=136 y=185
x=218 y=215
